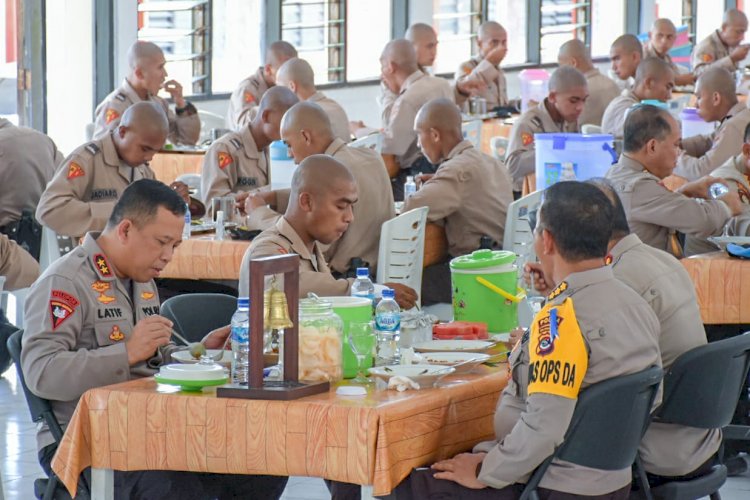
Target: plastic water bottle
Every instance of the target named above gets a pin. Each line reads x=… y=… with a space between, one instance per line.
x=410 y=187
x=387 y=329
x=362 y=286
x=241 y=341
x=188 y=221
x=717 y=190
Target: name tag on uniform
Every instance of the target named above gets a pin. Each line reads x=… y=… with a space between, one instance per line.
x=109 y=313
x=150 y=310
x=103 y=194
x=247 y=181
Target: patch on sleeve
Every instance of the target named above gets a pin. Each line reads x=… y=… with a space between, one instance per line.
x=75 y=170
x=558 y=358
x=62 y=305
x=248 y=97
x=526 y=138
x=707 y=58
x=224 y=159
x=147 y=295
x=110 y=115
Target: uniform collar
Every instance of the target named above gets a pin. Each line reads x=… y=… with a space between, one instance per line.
x=298 y=246
x=411 y=79
x=127 y=89
x=632 y=164
x=317 y=97
x=717 y=39
x=98 y=261
x=248 y=143
x=591 y=73
x=627 y=243
x=107 y=144
x=458 y=149
x=577 y=281
x=262 y=78
x=542 y=107
x=736 y=109
x=334 y=147
x=630 y=94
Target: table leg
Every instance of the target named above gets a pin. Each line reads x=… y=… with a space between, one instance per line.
x=367 y=493
x=102 y=484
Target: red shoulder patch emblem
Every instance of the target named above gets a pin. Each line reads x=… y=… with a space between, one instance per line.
x=248 y=97
x=225 y=159
x=526 y=138
x=110 y=115
x=75 y=170
x=62 y=305
x=707 y=58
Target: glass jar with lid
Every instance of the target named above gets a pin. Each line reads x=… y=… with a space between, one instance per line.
x=320 y=341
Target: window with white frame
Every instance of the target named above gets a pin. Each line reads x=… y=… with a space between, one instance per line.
x=513 y=15
x=456 y=23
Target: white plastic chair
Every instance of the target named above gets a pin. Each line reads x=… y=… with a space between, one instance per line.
x=209 y=121
x=372 y=141
x=50 y=250
x=589 y=128
x=499 y=147
x=472 y=131
x=518 y=237
x=193 y=182
x=401 y=249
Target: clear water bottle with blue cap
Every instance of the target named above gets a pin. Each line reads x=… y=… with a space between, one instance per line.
x=362 y=286
x=188 y=221
x=410 y=187
x=717 y=190
x=387 y=329
x=240 y=332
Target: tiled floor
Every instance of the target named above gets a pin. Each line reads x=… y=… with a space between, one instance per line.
x=20 y=466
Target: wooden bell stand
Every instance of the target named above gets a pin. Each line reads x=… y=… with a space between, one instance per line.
x=290 y=387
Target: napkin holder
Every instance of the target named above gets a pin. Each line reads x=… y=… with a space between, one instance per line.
x=290 y=387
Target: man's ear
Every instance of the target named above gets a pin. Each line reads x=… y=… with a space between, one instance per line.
x=548 y=243
x=124 y=227
x=435 y=135
x=306 y=201
x=307 y=136
x=651 y=146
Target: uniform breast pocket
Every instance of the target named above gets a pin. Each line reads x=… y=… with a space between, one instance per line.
x=110 y=332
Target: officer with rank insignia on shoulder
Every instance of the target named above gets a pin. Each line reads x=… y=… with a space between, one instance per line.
x=594 y=326
x=85 y=188
x=238 y=163
x=145 y=79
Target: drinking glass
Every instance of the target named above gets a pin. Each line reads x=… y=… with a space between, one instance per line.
x=362 y=341
x=226 y=204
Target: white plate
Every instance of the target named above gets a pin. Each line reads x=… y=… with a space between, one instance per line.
x=468 y=360
x=453 y=345
x=196 y=372
x=723 y=241
x=424 y=375
x=187 y=358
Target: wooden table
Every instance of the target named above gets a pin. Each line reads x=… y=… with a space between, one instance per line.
x=169 y=165
x=493 y=128
x=722 y=284
x=375 y=440
x=203 y=258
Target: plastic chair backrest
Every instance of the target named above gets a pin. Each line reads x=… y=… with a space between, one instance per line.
x=499 y=147
x=401 y=249
x=39 y=408
x=372 y=141
x=518 y=237
x=703 y=385
x=589 y=128
x=472 y=131
x=196 y=314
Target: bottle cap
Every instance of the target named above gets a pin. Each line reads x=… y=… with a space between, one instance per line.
x=243 y=302
x=363 y=272
x=409 y=178
x=389 y=293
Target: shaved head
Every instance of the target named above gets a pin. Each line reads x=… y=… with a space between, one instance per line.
x=652 y=67
x=419 y=31
x=488 y=29
x=400 y=53
x=318 y=175
x=298 y=71
x=307 y=116
x=574 y=53
x=565 y=79
x=146 y=117
x=140 y=51
x=718 y=80
x=277 y=99
x=663 y=25
x=628 y=43
x=441 y=114
x=734 y=16
x=280 y=52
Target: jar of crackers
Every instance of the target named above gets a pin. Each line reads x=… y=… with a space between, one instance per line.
x=320 y=341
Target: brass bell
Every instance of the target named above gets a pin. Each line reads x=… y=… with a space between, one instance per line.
x=278 y=316
x=266 y=306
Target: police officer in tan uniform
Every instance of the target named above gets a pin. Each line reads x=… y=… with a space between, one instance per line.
x=319 y=213
x=92 y=320
x=307 y=131
x=661 y=38
x=469 y=195
x=492 y=40
x=654 y=213
x=654 y=79
x=145 y=79
x=723 y=47
x=29 y=160
x=626 y=53
x=601 y=89
x=238 y=163
x=298 y=76
x=85 y=188
x=246 y=97
x=559 y=112
x=603 y=330
x=716 y=101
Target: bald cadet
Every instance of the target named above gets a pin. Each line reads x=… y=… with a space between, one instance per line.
x=140 y=51
x=276 y=98
x=401 y=53
x=663 y=23
x=146 y=118
x=418 y=31
x=720 y=81
x=566 y=78
x=628 y=43
x=441 y=114
x=278 y=52
x=488 y=28
x=575 y=50
x=734 y=16
x=651 y=68
x=298 y=71
x=307 y=116
x=318 y=175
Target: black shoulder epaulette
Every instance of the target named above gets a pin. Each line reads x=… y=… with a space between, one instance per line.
x=235 y=142
x=537 y=122
x=120 y=96
x=92 y=148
